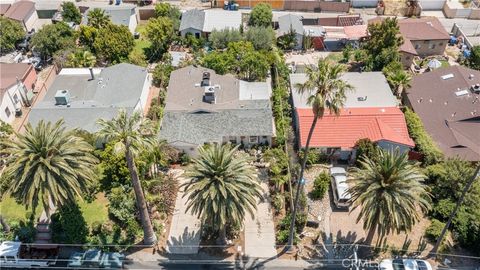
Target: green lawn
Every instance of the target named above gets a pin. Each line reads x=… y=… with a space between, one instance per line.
x=142 y=43
x=10 y=209
x=334 y=56
x=95 y=211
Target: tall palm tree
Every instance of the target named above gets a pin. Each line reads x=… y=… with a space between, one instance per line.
x=388 y=189
x=223 y=187
x=399 y=80
x=48 y=164
x=132 y=134
x=97 y=18
x=326 y=91
x=80 y=59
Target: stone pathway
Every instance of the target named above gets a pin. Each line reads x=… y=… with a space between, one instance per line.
x=259 y=231
x=184 y=235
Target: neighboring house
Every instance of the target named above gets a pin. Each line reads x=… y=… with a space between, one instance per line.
x=422 y=36
x=23 y=12
x=292 y=22
x=200 y=23
x=17 y=82
x=81 y=96
x=119 y=15
x=370 y=111
x=448 y=102
x=205 y=107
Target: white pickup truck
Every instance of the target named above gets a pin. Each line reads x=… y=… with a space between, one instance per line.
x=16 y=255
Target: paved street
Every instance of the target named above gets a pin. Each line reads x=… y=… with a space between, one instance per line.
x=260 y=232
x=184 y=235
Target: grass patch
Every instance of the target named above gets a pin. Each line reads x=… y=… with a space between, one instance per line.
x=444 y=63
x=334 y=57
x=96 y=211
x=142 y=43
x=11 y=210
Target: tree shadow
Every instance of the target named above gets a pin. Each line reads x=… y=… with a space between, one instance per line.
x=187 y=243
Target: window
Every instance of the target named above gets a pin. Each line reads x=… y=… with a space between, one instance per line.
x=15 y=98
x=253 y=139
x=8 y=112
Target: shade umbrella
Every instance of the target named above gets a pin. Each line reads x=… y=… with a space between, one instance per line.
x=434 y=64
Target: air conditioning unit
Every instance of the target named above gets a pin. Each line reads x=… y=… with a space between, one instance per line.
x=62 y=97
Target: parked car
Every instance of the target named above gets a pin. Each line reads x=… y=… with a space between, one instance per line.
x=18 y=255
x=404 y=264
x=339 y=186
x=95 y=258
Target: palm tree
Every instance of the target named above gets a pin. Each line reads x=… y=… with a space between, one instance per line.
x=388 y=189
x=132 y=134
x=326 y=91
x=97 y=18
x=80 y=59
x=399 y=80
x=48 y=164
x=222 y=188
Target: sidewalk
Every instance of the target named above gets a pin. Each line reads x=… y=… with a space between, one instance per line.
x=184 y=235
x=259 y=232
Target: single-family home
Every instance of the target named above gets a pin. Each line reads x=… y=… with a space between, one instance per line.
x=370 y=111
x=448 y=102
x=80 y=96
x=292 y=22
x=421 y=37
x=202 y=22
x=17 y=82
x=205 y=107
x=23 y=12
x=119 y=15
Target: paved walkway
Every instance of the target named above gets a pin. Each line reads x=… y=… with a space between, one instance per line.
x=259 y=232
x=184 y=235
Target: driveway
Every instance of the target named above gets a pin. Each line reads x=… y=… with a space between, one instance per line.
x=184 y=235
x=259 y=231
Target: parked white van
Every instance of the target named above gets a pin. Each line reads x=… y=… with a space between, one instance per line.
x=339 y=187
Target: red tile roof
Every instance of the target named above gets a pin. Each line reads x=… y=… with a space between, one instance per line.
x=353 y=124
x=356 y=31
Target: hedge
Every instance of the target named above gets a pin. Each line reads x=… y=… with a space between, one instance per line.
x=424 y=143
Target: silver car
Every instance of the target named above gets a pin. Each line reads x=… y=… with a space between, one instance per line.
x=339 y=186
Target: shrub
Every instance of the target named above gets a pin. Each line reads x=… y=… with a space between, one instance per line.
x=122 y=205
x=320 y=186
x=300 y=222
x=365 y=147
x=424 y=143
x=434 y=230
x=313 y=156
x=69 y=226
x=278 y=202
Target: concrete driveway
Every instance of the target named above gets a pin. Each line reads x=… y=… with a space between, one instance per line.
x=259 y=231
x=184 y=235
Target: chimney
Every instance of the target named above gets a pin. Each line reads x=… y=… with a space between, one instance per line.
x=91 y=74
x=205 y=79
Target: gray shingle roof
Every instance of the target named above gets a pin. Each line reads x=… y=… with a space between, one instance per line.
x=290 y=21
x=193 y=18
x=115 y=87
x=118 y=15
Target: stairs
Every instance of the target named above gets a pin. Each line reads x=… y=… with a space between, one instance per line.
x=44 y=234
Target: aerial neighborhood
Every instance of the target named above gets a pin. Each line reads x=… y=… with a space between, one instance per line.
x=240 y=134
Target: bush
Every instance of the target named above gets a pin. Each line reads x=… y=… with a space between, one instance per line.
x=278 y=202
x=320 y=186
x=122 y=205
x=424 y=143
x=69 y=226
x=365 y=147
x=300 y=222
x=314 y=156
x=434 y=230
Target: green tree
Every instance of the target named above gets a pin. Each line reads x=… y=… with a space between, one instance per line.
x=163 y=9
x=262 y=38
x=71 y=13
x=325 y=91
x=221 y=62
x=160 y=32
x=365 y=147
x=138 y=58
x=223 y=187
x=399 y=80
x=10 y=33
x=69 y=225
x=5 y=129
x=161 y=73
x=131 y=135
x=261 y=15
x=87 y=35
x=114 y=43
x=288 y=41
x=52 y=38
x=382 y=44
x=48 y=163
x=221 y=38
x=97 y=18
x=80 y=59
x=388 y=190
x=474 y=60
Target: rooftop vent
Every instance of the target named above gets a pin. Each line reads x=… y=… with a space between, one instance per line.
x=476 y=88
x=461 y=93
x=362 y=98
x=62 y=97
x=209 y=95
x=448 y=76
x=205 y=79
